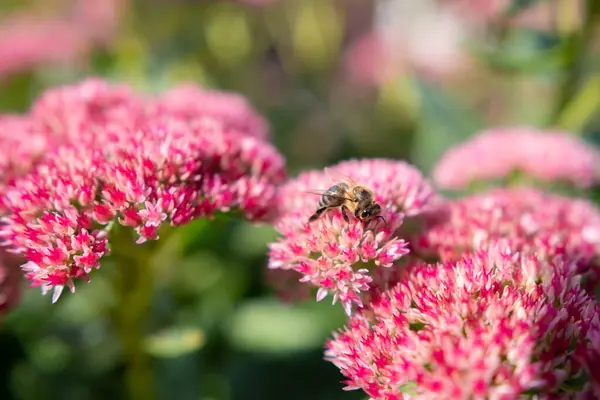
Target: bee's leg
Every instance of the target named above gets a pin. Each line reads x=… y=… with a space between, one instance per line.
x=317 y=214
x=344 y=214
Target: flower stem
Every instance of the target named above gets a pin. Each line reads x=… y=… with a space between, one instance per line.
x=133 y=284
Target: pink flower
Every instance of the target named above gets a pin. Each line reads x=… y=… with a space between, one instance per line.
x=492 y=325
x=28 y=41
x=407 y=37
x=336 y=256
x=190 y=103
x=534 y=221
x=110 y=161
x=547 y=156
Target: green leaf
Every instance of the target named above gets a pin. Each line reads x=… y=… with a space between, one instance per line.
x=444 y=123
x=268 y=326
x=409 y=388
x=175 y=342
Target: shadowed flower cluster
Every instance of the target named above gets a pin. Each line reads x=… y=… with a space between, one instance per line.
x=498 y=153
x=495 y=324
x=337 y=256
x=109 y=156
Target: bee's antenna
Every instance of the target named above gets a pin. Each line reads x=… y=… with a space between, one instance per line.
x=383 y=219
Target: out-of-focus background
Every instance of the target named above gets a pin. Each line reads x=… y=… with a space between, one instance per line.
x=336 y=79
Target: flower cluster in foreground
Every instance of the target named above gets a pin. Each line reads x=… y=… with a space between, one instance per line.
x=336 y=256
x=545 y=156
x=107 y=156
x=494 y=324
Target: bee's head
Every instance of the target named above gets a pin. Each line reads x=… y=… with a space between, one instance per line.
x=370 y=212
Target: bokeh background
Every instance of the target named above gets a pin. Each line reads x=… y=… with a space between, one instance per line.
x=336 y=79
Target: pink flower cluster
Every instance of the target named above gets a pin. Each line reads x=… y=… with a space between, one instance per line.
x=495 y=324
x=108 y=156
x=534 y=221
x=546 y=156
x=336 y=256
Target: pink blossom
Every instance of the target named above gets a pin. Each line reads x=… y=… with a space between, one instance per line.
x=547 y=156
x=408 y=37
x=110 y=161
x=28 y=41
x=336 y=256
x=190 y=103
x=492 y=325
x=534 y=221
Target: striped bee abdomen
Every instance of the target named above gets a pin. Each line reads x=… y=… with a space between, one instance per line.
x=334 y=196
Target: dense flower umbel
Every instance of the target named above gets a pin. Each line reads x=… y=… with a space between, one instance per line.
x=497 y=153
x=492 y=325
x=333 y=255
x=101 y=167
x=535 y=221
x=192 y=104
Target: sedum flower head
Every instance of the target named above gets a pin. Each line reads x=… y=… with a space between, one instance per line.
x=494 y=324
x=336 y=256
x=111 y=159
x=534 y=221
x=546 y=156
x=192 y=104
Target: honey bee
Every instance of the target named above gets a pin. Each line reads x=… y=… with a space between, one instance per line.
x=351 y=197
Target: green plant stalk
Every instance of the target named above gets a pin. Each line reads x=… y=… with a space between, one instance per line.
x=133 y=283
x=578 y=46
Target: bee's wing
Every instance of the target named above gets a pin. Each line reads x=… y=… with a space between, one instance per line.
x=326 y=193
x=336 y=176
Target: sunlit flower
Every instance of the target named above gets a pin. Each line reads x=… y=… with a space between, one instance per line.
x=336 y=256
x=495 y=324
x=534 y=221
x=495 y=154
x=101 y=168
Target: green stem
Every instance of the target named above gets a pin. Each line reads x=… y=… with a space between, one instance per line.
x=133 y=284
x=577 y=46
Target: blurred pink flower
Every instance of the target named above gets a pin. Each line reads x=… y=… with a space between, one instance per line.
x=541 y=15
x=408 y=36
x=189 y=102
x=28 y=40
x=26 y=43
x=107 y=162
x=492 y=325
x=336 y=256
x=543 y=224
x=480 y=10
x=547 y=156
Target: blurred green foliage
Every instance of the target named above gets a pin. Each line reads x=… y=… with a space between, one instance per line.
x=214 y=328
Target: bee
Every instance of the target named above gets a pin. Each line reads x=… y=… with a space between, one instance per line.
x=351 y=197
